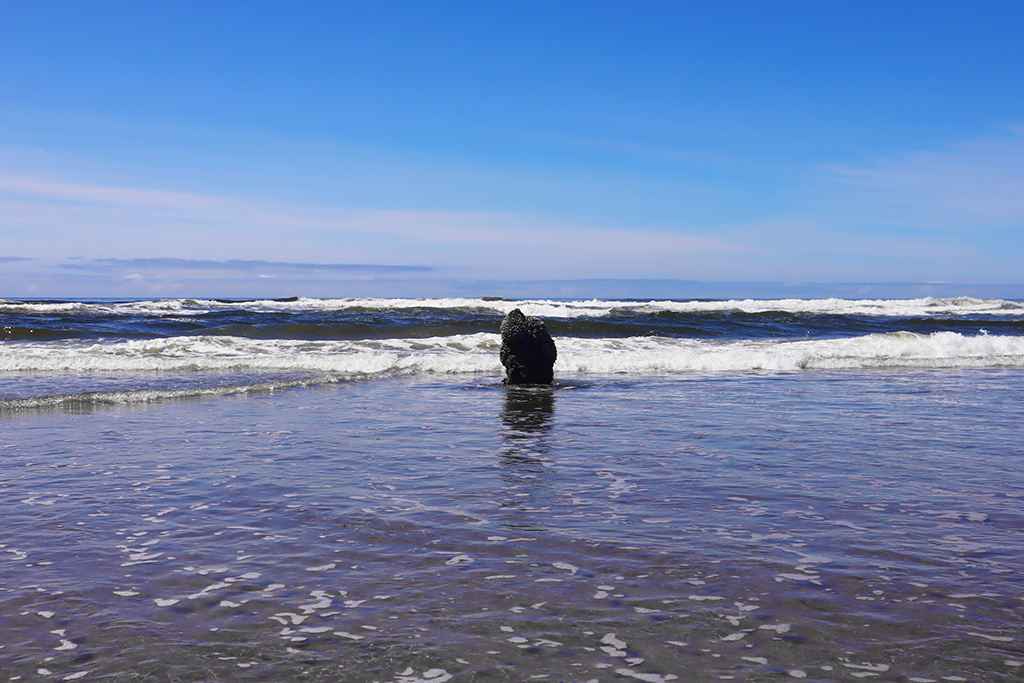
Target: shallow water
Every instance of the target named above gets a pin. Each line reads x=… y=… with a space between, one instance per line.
x=826 y=525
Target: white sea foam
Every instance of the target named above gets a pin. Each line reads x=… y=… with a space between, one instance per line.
x=324 y=361
x=925 y=307
x=658 y=355
x=478 y=354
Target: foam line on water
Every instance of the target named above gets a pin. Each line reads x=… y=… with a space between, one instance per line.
x=478 y=354
x=141 y=397
x=921 y=307
x=655 y=355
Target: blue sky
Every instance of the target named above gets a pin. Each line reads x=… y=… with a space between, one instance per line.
x=272 y=149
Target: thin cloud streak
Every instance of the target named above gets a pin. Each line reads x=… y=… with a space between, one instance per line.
x=52 y=190
x=235 y=266
x=195 y=226
x=980 y=180
x=864 y=226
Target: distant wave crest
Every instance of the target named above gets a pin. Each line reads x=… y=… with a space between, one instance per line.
x=927 y=306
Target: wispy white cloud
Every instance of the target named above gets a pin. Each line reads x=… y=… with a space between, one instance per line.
x=178 y=265
x=45 y=189
x=948 y=214
x=971 y=183
x=98 y=222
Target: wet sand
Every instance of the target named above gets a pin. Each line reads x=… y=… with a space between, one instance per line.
x=834 y=526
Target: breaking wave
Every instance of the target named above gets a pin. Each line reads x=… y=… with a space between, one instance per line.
x=67 y=353
x=478 y=354
x=926 y=306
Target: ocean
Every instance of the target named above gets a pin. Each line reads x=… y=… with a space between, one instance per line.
x=345 y=490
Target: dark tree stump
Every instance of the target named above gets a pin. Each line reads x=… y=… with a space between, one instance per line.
x=527 y=350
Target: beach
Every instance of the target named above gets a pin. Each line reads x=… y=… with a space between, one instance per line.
x=796 y=491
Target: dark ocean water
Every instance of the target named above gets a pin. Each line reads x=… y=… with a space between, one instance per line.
x=139 y=351
x=355 y=319
x=345 y=491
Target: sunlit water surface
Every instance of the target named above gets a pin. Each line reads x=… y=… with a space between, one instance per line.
x=828 y=526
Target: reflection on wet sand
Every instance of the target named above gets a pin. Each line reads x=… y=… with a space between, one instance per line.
x=527 y=421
